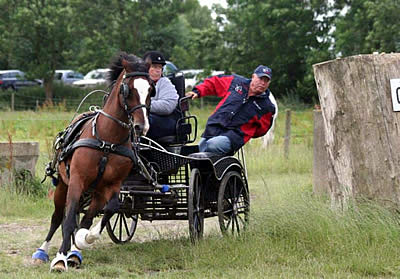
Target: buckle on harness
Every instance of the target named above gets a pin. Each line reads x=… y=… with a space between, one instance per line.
x=107 y=147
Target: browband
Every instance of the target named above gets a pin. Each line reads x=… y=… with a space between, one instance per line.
x=136 y=74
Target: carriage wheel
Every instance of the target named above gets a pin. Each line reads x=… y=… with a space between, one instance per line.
x=233 y=204
x=195 y=206
x=121 y=227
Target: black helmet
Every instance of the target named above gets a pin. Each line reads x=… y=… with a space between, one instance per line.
x=156 y=57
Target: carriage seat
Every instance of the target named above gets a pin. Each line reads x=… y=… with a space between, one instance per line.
x=186 y=125
x=206 y=155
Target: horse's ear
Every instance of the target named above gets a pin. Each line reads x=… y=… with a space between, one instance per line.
x=126 y=65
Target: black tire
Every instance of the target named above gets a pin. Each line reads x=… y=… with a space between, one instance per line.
x=233 y=204
x=195 y=206
x=121 y=227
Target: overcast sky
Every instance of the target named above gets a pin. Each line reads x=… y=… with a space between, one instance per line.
x=209 y=3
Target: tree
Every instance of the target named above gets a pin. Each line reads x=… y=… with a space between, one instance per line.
x=367 y=26
x=279 y=34
x=40 y=35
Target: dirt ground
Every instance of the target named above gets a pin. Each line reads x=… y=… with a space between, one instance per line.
x=22 y=238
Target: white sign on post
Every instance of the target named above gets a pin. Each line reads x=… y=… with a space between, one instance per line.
x=395 y=89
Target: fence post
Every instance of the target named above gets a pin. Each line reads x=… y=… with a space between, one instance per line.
x=287 y=133
x=37 y=104
x=12 y=101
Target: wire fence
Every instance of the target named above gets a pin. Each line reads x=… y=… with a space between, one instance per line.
x=64 y=99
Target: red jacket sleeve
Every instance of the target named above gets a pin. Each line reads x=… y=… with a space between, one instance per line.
x=216 y=86
x=265 y=124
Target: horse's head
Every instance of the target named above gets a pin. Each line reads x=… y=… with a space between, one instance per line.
x=135 y=90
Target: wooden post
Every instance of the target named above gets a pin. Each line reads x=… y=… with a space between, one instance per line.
x=362 y=127
x=287 y=133
x=12 y=101
x=37 y=104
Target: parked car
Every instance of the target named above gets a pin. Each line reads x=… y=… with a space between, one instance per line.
x=67 y=76
x=15 y=79
x=93 y=78
x=193 y=76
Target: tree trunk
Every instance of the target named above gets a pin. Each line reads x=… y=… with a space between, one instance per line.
x=362 y=130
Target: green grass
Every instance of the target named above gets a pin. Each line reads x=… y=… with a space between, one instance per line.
x=293 y=234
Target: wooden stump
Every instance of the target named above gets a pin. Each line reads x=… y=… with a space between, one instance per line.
x=320 y=158
x=17 y=157
x=362 y=130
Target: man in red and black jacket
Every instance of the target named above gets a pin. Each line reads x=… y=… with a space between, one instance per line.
x=244 y=112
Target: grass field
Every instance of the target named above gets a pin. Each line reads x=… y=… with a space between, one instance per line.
x=293 y=234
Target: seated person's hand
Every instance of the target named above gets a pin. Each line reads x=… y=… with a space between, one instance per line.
x=192 y=94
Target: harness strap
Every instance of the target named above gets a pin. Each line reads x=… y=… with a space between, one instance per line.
x=123 y=124
x=102 y=146
x=102 y=167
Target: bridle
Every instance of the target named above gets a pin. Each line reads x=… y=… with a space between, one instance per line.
x=125 y=91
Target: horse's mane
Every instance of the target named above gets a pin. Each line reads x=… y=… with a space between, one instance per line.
x=116 y=65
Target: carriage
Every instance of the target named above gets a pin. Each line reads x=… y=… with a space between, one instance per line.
x=103 y=166
x=172 y=180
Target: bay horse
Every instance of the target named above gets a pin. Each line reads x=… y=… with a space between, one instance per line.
x=99 y=161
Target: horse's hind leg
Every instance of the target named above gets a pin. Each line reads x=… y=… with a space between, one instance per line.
x=41 y=254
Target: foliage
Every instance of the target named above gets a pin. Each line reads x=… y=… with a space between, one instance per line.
x=287 y=35
x=366 y=26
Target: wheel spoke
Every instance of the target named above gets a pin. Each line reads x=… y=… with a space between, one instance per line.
x=120 y=227
x=126 y=226
x=241 y=220
x=115 y=223
x=228 y=223
x=237 y=224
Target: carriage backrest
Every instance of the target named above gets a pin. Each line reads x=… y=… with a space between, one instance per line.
x=186 y=127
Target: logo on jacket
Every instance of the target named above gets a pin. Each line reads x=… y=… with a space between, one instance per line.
x=239 y=89
x=257 y=105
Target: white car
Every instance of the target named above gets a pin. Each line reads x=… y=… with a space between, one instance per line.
x=192 y=77
x=67 y=76
x=93 y=78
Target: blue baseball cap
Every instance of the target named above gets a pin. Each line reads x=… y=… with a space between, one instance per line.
x=263 y=71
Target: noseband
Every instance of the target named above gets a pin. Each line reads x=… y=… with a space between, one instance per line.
x=125 y=91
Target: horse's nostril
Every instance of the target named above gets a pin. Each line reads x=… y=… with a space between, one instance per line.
x=139 y=128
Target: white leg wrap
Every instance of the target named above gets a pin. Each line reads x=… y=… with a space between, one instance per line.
x=59 y=258
x=94 y=233
x=80 y=239
x=74 y=248
x=45 y=247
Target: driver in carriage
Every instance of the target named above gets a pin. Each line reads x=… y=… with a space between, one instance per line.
x=245 y=111
x=163 y=116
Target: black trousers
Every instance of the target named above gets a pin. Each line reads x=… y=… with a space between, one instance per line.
x=162 y=125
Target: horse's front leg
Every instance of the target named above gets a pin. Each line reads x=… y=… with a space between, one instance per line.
x=59 y=263
x=42 y=255
x=85 y=238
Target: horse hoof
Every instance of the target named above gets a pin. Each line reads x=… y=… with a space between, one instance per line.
x=59 y=263
x=74 y=259
x=40 y=256
x=80 y=239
